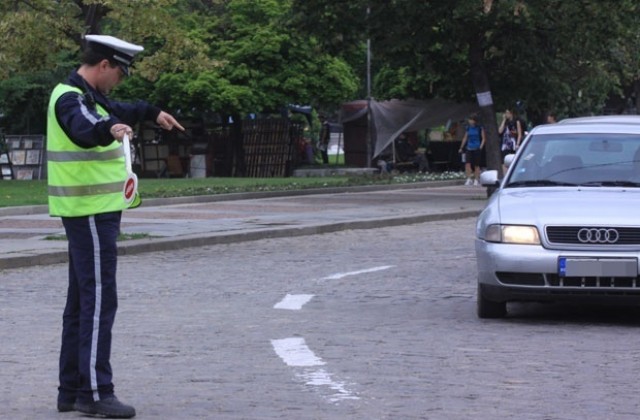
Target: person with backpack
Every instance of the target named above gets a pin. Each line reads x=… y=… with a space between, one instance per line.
x=510 y=131
x=472 y=144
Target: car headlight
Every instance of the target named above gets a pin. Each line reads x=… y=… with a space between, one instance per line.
x=512 y=234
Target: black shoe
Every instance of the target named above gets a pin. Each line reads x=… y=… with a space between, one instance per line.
x=66 y=401
x=66 y=406
x=109 y=408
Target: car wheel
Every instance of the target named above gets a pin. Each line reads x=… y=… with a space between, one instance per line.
x=489 y=308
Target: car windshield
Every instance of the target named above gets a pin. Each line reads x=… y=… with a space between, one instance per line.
x=578 y=159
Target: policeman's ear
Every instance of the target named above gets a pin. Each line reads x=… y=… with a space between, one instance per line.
x=104 y=65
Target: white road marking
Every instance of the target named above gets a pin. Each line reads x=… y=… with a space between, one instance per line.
x=354 y=273
x=320 y=377
x=295 y=353
x=293 y=302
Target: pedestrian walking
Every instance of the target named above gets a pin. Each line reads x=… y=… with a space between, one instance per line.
x=86 y=176
x=324 y=139
x=472 y=145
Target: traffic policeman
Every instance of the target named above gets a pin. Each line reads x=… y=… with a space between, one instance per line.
x=86 y=176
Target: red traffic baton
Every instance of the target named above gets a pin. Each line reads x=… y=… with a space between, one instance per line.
x=130 y=188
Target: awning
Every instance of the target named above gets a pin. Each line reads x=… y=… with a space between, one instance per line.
x=391 y=118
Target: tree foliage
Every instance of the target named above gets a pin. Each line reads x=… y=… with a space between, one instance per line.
x=264 y=63
x=240 y=56
x=569 y=56
x=229 y=57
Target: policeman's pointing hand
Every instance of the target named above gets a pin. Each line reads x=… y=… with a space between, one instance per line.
x=166 y=121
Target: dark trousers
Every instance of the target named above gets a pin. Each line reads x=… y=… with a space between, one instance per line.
x=85 y=371
x=325 y=156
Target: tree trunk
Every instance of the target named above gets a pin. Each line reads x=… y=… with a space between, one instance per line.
x=238 y=146
x=93 y=14
x=481 y=85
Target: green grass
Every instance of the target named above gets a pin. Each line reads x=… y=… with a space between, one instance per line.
x=24 y=193
x=177 y=187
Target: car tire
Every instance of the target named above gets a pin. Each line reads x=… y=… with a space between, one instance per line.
x=489 y=308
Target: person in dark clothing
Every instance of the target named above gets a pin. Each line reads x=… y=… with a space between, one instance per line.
x=512 y=133
x=324 y=140
x=472 y=145
x=405 y=152
x=86 y=174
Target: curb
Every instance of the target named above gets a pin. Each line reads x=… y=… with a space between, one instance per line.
x=188 y=241
x=43 y=209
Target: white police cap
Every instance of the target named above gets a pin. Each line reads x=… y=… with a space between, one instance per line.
x=122 y=52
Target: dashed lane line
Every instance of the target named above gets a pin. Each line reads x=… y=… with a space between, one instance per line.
x=293 y=302
x=339 y=276
x=295 y=353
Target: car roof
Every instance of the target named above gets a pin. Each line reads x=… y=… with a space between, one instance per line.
x=599 y=127
x=619 y=119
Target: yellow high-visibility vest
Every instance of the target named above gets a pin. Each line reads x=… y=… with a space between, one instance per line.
x=82 y=182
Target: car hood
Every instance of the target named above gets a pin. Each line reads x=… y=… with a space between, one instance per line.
x=568 y=206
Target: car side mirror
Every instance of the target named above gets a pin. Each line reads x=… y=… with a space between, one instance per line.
x=508 y=159
x=489 y=178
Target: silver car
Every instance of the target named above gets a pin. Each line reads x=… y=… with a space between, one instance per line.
x=564 y=223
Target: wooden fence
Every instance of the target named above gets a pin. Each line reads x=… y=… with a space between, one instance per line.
x=270 y=147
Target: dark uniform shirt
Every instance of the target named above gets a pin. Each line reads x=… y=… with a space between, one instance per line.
x=77 y=115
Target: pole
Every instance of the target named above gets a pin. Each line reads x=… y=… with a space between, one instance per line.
x=369 y=120
x=368 y=68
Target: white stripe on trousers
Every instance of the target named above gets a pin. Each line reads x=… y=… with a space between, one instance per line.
x=98 y=304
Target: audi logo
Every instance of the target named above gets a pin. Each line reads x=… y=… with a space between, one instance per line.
x=598 y=236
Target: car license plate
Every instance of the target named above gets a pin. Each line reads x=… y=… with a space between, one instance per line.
x=597 y=267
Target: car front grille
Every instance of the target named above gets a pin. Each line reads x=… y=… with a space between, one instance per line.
x=597 y=282
x=593 y=235
x=555 y=281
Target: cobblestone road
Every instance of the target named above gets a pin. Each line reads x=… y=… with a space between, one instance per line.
x=384 y=328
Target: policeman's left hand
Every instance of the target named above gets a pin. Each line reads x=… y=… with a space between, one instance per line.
x=118 y=131
x=166 y=121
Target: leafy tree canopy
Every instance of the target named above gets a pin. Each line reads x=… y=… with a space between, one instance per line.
x=240 y=56
x=231 y=57
x=550 y=54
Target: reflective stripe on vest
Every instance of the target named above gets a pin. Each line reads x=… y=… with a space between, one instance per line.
x=84 y=156
x=85 y=190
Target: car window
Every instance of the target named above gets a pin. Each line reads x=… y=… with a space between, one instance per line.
x=578 y=159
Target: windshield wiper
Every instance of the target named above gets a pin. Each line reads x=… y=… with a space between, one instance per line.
x=540 y=183
x=618 y=183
